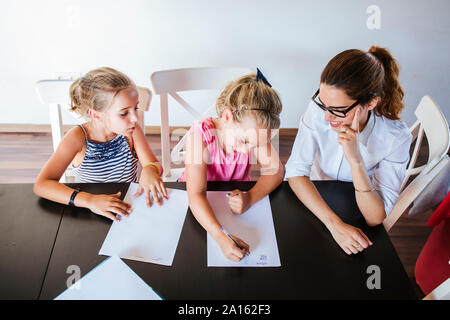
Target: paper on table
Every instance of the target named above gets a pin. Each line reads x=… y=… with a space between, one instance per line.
x=148 y=234
x=110 y=280
x=255 y=227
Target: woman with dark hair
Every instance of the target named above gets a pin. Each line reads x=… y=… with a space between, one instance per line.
x=351 y=132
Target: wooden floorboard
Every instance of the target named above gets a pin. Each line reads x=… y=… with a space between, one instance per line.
x=23 y=154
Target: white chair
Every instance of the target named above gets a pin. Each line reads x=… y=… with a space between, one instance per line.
x=55 y=93
x=170 y=82
x=432 y=123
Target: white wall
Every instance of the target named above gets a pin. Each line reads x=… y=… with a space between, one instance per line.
x=290 y=41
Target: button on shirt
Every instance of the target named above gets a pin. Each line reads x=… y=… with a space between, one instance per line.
x=383 y=145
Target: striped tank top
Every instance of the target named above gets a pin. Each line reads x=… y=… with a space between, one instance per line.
x=111 y=161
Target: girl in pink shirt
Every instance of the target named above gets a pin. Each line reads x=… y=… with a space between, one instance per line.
x=222 y=149
x=234 y=166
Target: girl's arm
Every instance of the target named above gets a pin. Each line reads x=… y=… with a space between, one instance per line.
x=143 y=149
x=196 y=182
x=150 y=181
x=349 y=238
x=47 y=183
x=272 y=173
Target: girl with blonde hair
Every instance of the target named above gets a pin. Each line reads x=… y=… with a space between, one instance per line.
x=105 y=149
x=221 y=149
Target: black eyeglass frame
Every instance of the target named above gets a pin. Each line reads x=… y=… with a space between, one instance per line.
x=342 y=114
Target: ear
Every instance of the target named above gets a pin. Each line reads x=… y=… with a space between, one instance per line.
x=94 y=114
x=373 y=103
x=227 y=114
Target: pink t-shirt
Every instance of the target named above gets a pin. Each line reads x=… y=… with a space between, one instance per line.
x=221 y=166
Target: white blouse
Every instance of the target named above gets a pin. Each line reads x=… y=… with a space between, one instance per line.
x=383 y=144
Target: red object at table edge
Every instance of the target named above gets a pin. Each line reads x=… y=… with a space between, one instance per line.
x=433 y=265
x=441 y=213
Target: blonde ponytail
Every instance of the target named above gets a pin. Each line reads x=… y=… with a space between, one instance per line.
x=248 y=94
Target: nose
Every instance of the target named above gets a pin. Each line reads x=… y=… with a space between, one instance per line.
x=133 y=116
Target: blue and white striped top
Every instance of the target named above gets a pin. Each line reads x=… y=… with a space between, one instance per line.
x=111 y=161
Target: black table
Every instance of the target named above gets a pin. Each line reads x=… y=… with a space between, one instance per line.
x=313 y=266
x=28 y=229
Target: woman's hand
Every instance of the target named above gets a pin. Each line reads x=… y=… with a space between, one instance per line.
x=231 y=250
x=239 y=201
x=349 y=238
x=150 y=182
x=348 y=139
x=108 y=205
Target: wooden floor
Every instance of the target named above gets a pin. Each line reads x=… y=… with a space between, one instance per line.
x=23 y=154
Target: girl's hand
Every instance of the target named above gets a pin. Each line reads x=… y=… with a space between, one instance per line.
x=150 y=182
x=108 y=205
x=348 y=139
x=349 y=238
x=239 y=201
x=230 y=250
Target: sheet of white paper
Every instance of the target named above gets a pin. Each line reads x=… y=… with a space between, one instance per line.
x=148 y=234
x=110 y=280
x=255 y=227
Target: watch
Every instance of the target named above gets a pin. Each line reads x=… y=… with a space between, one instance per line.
x=72 y=197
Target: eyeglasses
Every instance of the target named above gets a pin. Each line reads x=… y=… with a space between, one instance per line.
x=337 y=113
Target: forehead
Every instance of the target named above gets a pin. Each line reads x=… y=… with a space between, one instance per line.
x=249 y=123
x=332 y=96
x=126 y=98
x=251 y=129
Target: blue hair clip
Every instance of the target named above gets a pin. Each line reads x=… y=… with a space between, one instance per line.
x=260 y=76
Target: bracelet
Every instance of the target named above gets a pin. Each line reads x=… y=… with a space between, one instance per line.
x=72 y=197
x=373 y=189
x=154 y=165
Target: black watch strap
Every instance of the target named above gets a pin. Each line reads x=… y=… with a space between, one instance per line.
x=72 y=197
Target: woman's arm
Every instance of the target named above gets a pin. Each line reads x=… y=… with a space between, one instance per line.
x=369 y=202
x=196 y=182
x=47 y=183
x=349 y=238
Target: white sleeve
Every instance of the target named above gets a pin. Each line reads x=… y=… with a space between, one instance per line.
x=304 y=149
x=390 y=172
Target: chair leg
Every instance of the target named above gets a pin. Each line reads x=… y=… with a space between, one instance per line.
x=56 y=124
x=165 y=141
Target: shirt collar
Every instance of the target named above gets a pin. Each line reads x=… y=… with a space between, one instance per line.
x=365 y=134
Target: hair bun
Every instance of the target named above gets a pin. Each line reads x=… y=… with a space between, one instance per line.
x=373 y=49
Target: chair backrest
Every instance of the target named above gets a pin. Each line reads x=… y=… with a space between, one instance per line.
x=169 y=82
x=435 y=126
x=178 y=80
x=55 y=93
x=145 y=97
x=432 y=123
